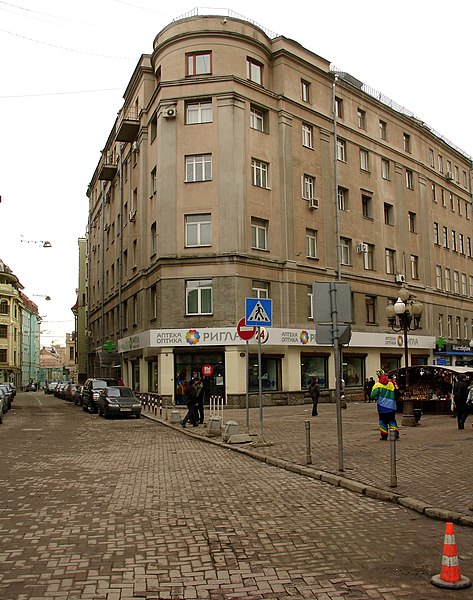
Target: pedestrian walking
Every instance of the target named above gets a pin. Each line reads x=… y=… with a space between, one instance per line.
x=314 y=391
x=460 y=397
x=369 y=383
x=385 y=391
x=191 y=401
x=199 y=396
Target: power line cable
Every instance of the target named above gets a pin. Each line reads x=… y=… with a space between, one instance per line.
x=62 y=93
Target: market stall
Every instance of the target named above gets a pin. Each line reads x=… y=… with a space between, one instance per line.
x=430 y=386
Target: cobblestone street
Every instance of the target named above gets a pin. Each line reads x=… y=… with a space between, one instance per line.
x=114 y=509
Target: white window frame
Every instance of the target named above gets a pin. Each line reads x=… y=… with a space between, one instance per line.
x=259 y=234
x=341 y=150
x=414 y=261
x=254 y=70
x=368 y=258
x=200 y=286
x=305 y=90
x=311 y=243
x=198 y=63
x=456 y=282
x=390 y=261
x=260 y=173
x=436 y=234
x=385 y=169
x=307 y=135
x=345 y=251
x=257 y=118
x=409 y=179
x=361 y=116
x=154 y=180
x=198 y=230
x=364 y=159
x=447 y=279
x=342 y=198
x=438 y=276
x=464 y=287
x=199 y=112
x=308 y=187
x=259 y=289
x=198 y=168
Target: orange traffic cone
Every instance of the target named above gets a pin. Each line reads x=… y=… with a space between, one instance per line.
x=449 y=576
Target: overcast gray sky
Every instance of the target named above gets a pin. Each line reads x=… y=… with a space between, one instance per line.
x=65 y=65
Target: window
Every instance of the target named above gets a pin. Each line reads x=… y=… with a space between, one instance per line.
x=342 y=196
x=463 y=284
x=3 y=355
x=259 y=234
x=368 y=258
x=153 y=234
x=454 y=240
x=436 y=234
x=341 y=150
x=390 y=256
x=411 y=219
x=465 y=328
x=260 y=171
x=199 y=112
x=154 y=302
x=198 y=168
x=383 y=130
x=4 y=307
x=385 y=169
x=308 y=187
x=153 y=128
x=449 y=326
x=345 y=251
x=135 y=253
x=135 y=309
x=254 y=71
x=370 y=304
x=440 y=163
x=125 y=315
x=456 y=282
x=311 y=243
x=414 y=267
x=442 y=193
x=440 y=325
x=434 y=193
x=271 y=370
x=258 y=119
x=199 y=297
x=305 y=90
x=448 y=287
x=469 y=248
x=310 y=298
x=388 y=214
x=438 y=277
x=260 y=289
x=457 y=327
x=198 y=63
x=3 y=331
x=409 y=179
x=445 y=236
x=470 y=286
x=407 y=142
x=307 y=135
x=431 y=158
x=339 y=108
x=449 y=166
x=361 y=116
x=198 y=230
x=353 y=370
x=366 y=206
x=313 y=366
x=154 y=181
x=364 y=160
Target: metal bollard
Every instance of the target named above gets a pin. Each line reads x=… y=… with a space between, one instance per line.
x=160 y=407
x=392 y=447
x=308 y=459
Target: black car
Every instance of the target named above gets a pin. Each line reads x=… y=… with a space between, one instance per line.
x=118 y=401
x=91 y=391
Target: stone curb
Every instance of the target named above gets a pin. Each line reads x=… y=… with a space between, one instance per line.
x=440 y=514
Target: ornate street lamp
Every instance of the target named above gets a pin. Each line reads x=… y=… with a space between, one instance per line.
x=405 y=315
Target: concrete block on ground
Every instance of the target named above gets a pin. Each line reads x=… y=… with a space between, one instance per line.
x=231 y=428
x=214 y=426
x=175 y=416
x=239 y=438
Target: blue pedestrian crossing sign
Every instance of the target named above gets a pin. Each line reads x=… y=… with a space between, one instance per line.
x=258 y=312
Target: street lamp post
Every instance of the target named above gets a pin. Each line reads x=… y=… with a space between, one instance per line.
x=405 y=315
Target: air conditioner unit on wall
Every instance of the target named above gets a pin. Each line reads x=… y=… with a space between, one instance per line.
x=400 y=278
x=313 y=203
x=132 y=216
x=360 y=248
x=170 y=113
x=135 y=147
x=449 y=176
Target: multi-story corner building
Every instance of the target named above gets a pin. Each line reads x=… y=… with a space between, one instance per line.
x=10 y=326
x=242 y=166
x=80 y=314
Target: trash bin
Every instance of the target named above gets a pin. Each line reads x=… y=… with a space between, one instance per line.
x=417 y=414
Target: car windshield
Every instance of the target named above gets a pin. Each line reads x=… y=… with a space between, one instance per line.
x=99 y=384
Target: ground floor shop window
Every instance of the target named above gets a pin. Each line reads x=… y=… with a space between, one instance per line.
x=135 y=375
x=270 y=374
x=313 y=366
x=153 y=375
x=390 y=362
x=353 y=370
x=209 y=366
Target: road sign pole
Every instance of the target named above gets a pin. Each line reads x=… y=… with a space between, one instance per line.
x=247 y=389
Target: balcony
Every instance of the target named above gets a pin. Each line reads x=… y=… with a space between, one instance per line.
x=128 y=126
x=108 y=168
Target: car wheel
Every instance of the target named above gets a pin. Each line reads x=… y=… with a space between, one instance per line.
x=84 y=408
x=106 y=414
x=138 y=415
x=100 y=411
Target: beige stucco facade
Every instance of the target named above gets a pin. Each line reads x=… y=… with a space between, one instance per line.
x=218 y=183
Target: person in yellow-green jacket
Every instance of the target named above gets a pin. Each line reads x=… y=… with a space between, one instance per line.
x=385 y=391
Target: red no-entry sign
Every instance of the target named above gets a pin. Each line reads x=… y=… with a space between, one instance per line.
x=245 y=332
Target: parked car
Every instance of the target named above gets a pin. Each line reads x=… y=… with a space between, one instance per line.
x=49 y=387
x=3 y=404
x=78 y=395
x=118 y=401
x=92 y=389
x=69 y=391
x=57 y=389
x=8 y=396
x=12 y=389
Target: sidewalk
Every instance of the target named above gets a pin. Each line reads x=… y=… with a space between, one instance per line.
x=434 y=459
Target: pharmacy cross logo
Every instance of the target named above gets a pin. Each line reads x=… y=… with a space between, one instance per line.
x=109 y=346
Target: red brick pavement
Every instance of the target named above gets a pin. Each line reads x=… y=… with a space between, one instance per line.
x=433 y=459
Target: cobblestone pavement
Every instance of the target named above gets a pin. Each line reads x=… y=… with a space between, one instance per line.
x=433 y=459
x=118 y=509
